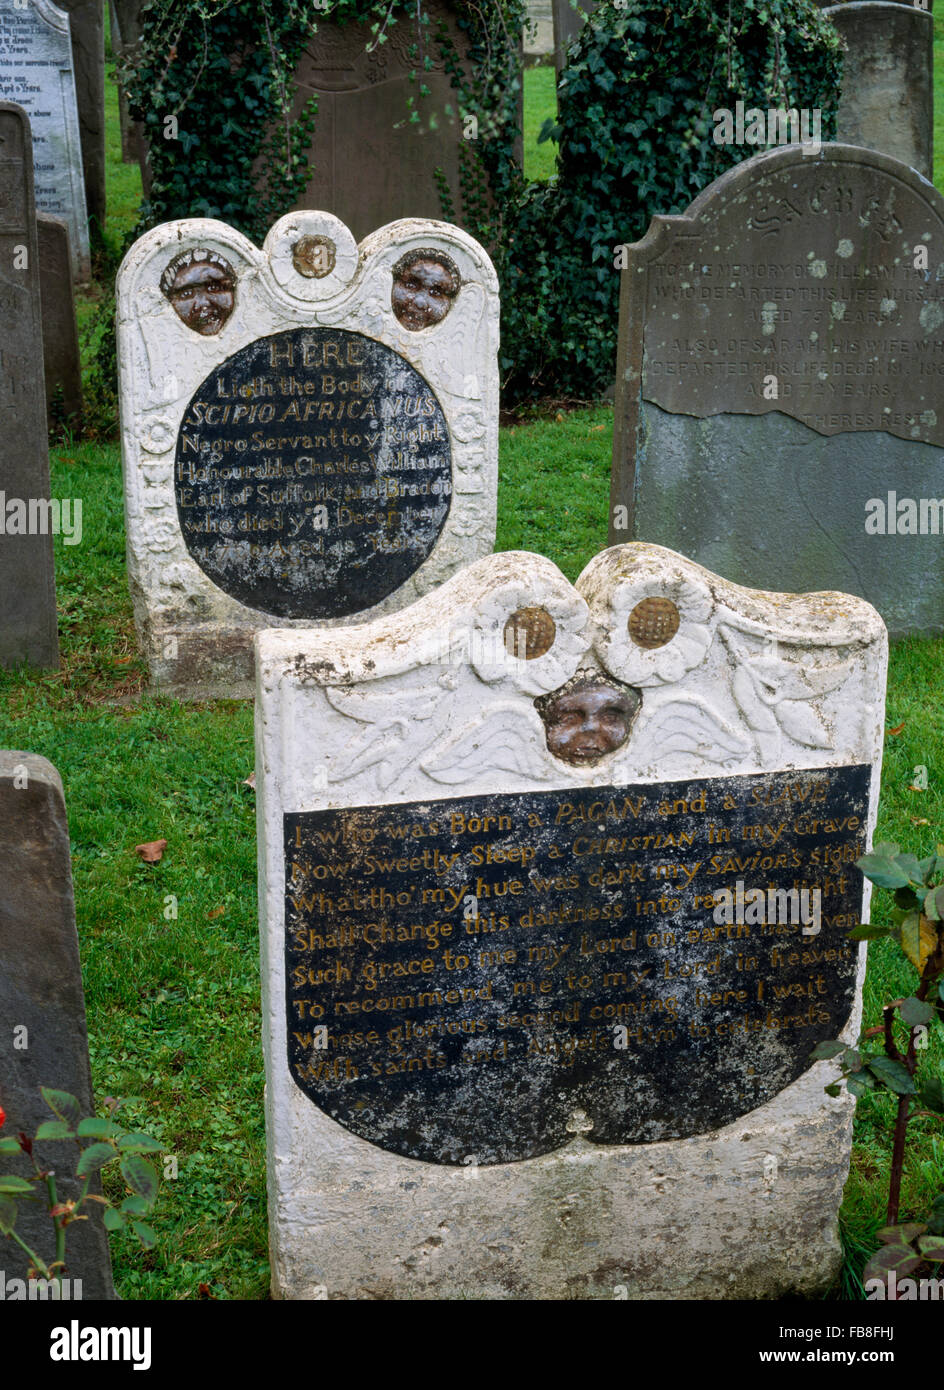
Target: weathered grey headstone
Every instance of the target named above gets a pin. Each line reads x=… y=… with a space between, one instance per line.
x=309 y=431
x=569 y=19
x=28 y=630
x=539 y=30
x=369 y=165
x=61 y=360
x=504 y=838
x=887 y=100
x=43 y=1040
x=780 y=381
x=87 y=26
x=36 y=72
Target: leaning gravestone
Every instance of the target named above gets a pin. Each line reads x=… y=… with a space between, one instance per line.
x=569 y=18
x=309 y=431
x=28 y=629
x=495 y=974
x=887 y=100
x=780 y=381
x=61 y=360
x=368 y=163
x=36 y=72
x=43 y=1041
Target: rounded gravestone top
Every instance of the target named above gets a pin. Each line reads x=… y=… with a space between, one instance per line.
x=313 y=473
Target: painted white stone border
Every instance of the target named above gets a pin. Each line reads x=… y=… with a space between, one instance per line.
x=748 y=1210
x=162 y=362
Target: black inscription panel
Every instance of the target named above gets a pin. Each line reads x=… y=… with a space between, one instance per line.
x=476 y=980
x=313 y=473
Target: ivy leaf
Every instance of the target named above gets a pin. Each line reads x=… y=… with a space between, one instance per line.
x=63 y=1104
x=55 y=1129
x=918 y=939
x=93 y=1128
x=10 y=1183
x=93 y=1158
x=883 y=871
x=139 y=1175
x=139 y=1144
x=866 y=931
x=902 y=1233
x=894 y=1075
x=144 y=1233
x=900 y=1258
x=915 y=1011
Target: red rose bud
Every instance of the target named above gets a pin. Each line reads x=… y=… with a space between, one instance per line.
x=3 y=1117
x=26 y=1144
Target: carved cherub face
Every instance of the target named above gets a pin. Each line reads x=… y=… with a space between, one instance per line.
x=202 y=288
x=588 y=720
x=425 y=283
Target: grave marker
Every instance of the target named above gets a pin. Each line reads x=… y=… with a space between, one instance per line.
x=493 y=962
x=37 y=73
x=887 y=100
x=43 y=1039
x=87 y=29
x=28 y=629
x=780 y=372
x=61 y=360
x=568 y=22
x=309 y=431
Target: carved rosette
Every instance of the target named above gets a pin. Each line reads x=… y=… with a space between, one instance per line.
x=557 y=637
x=659 y=628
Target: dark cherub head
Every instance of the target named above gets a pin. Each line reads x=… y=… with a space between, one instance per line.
x=201 y=286
x=587 y=718
x=424 y=285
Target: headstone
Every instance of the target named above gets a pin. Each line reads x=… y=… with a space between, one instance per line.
x=569 y=18
x=887 y=100
x=369 y=164
x=125 y=29
x=780 y=378
x=36 y=72
x=42 y=1009
x=87 y=26
x=509 y=1040
x=62 y=363
x=539 y=29
x=28 y=629
x=309 y=431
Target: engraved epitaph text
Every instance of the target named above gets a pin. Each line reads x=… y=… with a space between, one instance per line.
x=464 y=976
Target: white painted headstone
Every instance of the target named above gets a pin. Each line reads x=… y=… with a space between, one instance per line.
x=508 y=1043
x=36 y=72
x=309 y=431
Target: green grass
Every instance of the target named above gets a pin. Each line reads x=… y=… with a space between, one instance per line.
x=174 y=1002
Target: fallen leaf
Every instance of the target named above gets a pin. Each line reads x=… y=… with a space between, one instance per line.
x=913 y=788
x=559 y=417
x=897 y=729
x=151 y=853
x=251 y=781
x=920 y=820
x=217 y=912
x=593 y=428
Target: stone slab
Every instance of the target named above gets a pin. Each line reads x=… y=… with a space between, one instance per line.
x=569 y=19
x=781 y=355
x=887 y=100
x=37 y=72
x=28 y=629
x=493 y=975
x=363 y=128
x=41 y=992
x=87 y=28
x=61 y=360
x=539 y=29
x=313 y=445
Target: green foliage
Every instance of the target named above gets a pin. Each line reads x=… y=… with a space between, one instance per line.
x=635 y=135
x=111 y=1143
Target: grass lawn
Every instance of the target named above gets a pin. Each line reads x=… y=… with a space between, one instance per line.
x=170 y=952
